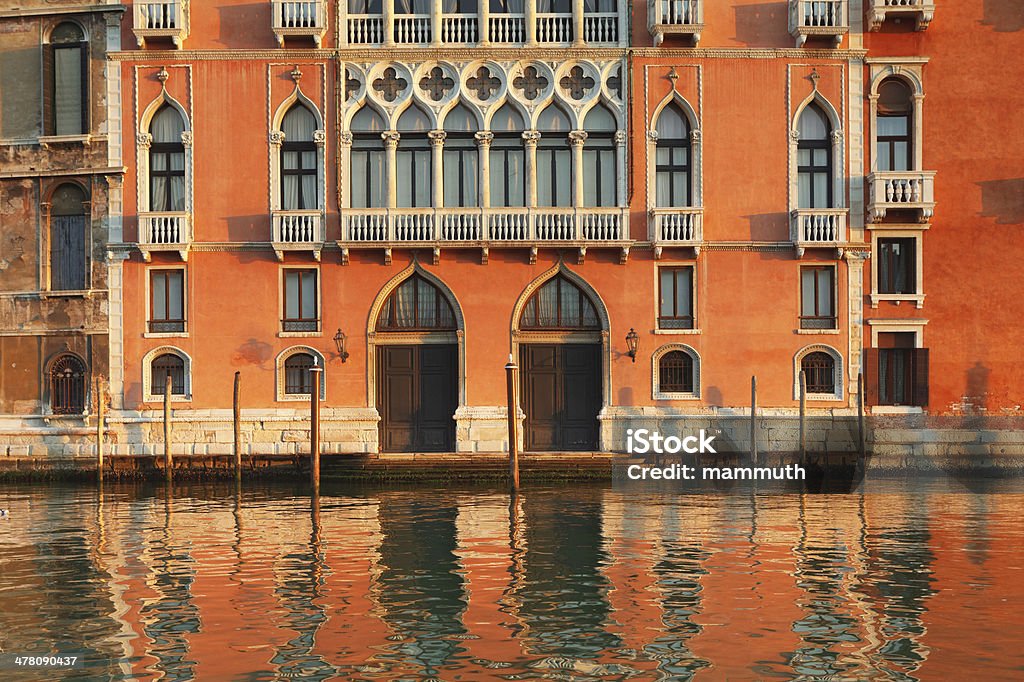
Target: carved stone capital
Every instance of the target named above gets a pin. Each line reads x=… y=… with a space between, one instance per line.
x=437 y=137
x=577 y=137
x=837 y=137
x=620 y=137
x=320 y=137
x=794 y=135
x=531 y=136
x=695 y=136
x=276 y=137
x=391 y=138
x=346 y=138
x=144 y=140
x=653 y=135
x=484 y=138
x=186 y=138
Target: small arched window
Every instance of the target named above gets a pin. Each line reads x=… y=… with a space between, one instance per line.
x=68 y=222
x=819 y=370
x=67 y=385
x=508 y=158
x=461 y=164
x=168 y=365
x=895 y=126
x=167 y=161
x=672 y=158
x=298 y=379
x=69 y=91
x=814 y=159
x=416 y=305
x=299 y=165
x=554 y=158
x=599 y=168
x=413 y=160
x=675 y=372
x=369 y=183
x=559 y=304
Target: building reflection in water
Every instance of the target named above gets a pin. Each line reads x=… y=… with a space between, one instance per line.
x=580 y=583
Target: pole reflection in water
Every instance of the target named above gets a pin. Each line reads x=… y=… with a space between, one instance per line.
x=572 y=583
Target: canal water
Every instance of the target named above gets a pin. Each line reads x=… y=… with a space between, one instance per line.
x=574 y=582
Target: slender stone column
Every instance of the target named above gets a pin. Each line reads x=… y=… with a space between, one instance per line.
x=391 y=138
x=483 y=143
x=577 y=23
x=389 y=23
x=530 y=139
x=435 y=23
x=437 y=138
x=577 y=138
x=620 y=167
x=531 y=23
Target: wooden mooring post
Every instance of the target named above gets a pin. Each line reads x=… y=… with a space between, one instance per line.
x=753 y=419
x=860 y=415
x=100 y=415
x=512 y=386
x=803 y=416
x=314 y=425
x=236 y=418
x=168 y=461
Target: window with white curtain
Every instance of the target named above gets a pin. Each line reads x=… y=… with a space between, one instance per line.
x=814 y=159
x=167 y=161
x=461 y=163
x=672 y=158
x=508 y=159
x=368 y=180
x=413 y=160
x=554 y=158
x=298 y=160
x=69 y=74
x=507 y=6
x=412 y=6
x=894 y=124
x=365 y=6
x=599 y=172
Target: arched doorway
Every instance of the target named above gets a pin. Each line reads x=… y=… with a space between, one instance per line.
x=416 y=344
x=559 y=332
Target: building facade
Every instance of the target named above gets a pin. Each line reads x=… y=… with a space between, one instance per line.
x=406 y=193
x=60 y=179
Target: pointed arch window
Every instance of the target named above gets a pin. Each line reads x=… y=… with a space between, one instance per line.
x=167 y=161
x=413 y=160
x=368 y=180
x=299 y=164
x=554 y=158
x=600 y=176
x=67 y=385
x=814 y=159
x=416 y=305
x=461 y=160
x=895 y=126
x=508 y=158
x=68 y=68
x=68 y=227
x=673 y=163
x=559 y=304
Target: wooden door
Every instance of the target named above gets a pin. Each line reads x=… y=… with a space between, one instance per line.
x=416 y=398
x=561 y=395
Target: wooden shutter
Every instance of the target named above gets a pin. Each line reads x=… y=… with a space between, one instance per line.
x=920 y=369
x=86 y=62
x=49 y=85
x=870 y=374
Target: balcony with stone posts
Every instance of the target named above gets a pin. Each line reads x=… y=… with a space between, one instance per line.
x=878 y=11
x=675 y=18
x=901 y=190
x=161 y=20
x=298 y=231
x=299 y=19
x=676 y=227
x=818 y=228
x=818 y=19
x=165 y=231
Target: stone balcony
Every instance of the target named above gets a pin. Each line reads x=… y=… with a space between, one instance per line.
x=299 y=19
x=676 y=227
x=901 y=190
x=818 y=228
x=161 y=20
x=675 y=18
x=165 y=231
x=818 y=19
x=920 y=11
x=484 y=228
x=298 y=231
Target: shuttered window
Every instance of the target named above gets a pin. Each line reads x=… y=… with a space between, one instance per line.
x=68 y=75
x=67 y=239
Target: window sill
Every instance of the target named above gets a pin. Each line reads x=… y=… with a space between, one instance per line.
x=165 y=335
x=917 y=299
x=304 y=398
x=299 y=335
x=671 y=332
x=896 y=409
x=69 y=293
x=46 y=140
x=159 y=399
x=815 y=332
x=676 y=396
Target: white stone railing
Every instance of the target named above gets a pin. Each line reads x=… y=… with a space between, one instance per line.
x=677 y=225
x=554 y=28
x=299 y=18
x=298 y=227
x=601 y=27
x=675 y=17
x=412 y=29
x=508 y=29
x=167 y=19
x=365 y=29
x=818 y=226
x=165 y=231
x=460 y=28
x=923 y=11
x=485 y=225
x=818 y=18
x=914 y=190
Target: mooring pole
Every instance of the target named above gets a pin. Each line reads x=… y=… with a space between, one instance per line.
x=803 y=416
x=860 y=414
x=236 y=416
x=512 y=384
x=99 y=427
x=168 y=462
x=753 y=419
x=314 y=425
